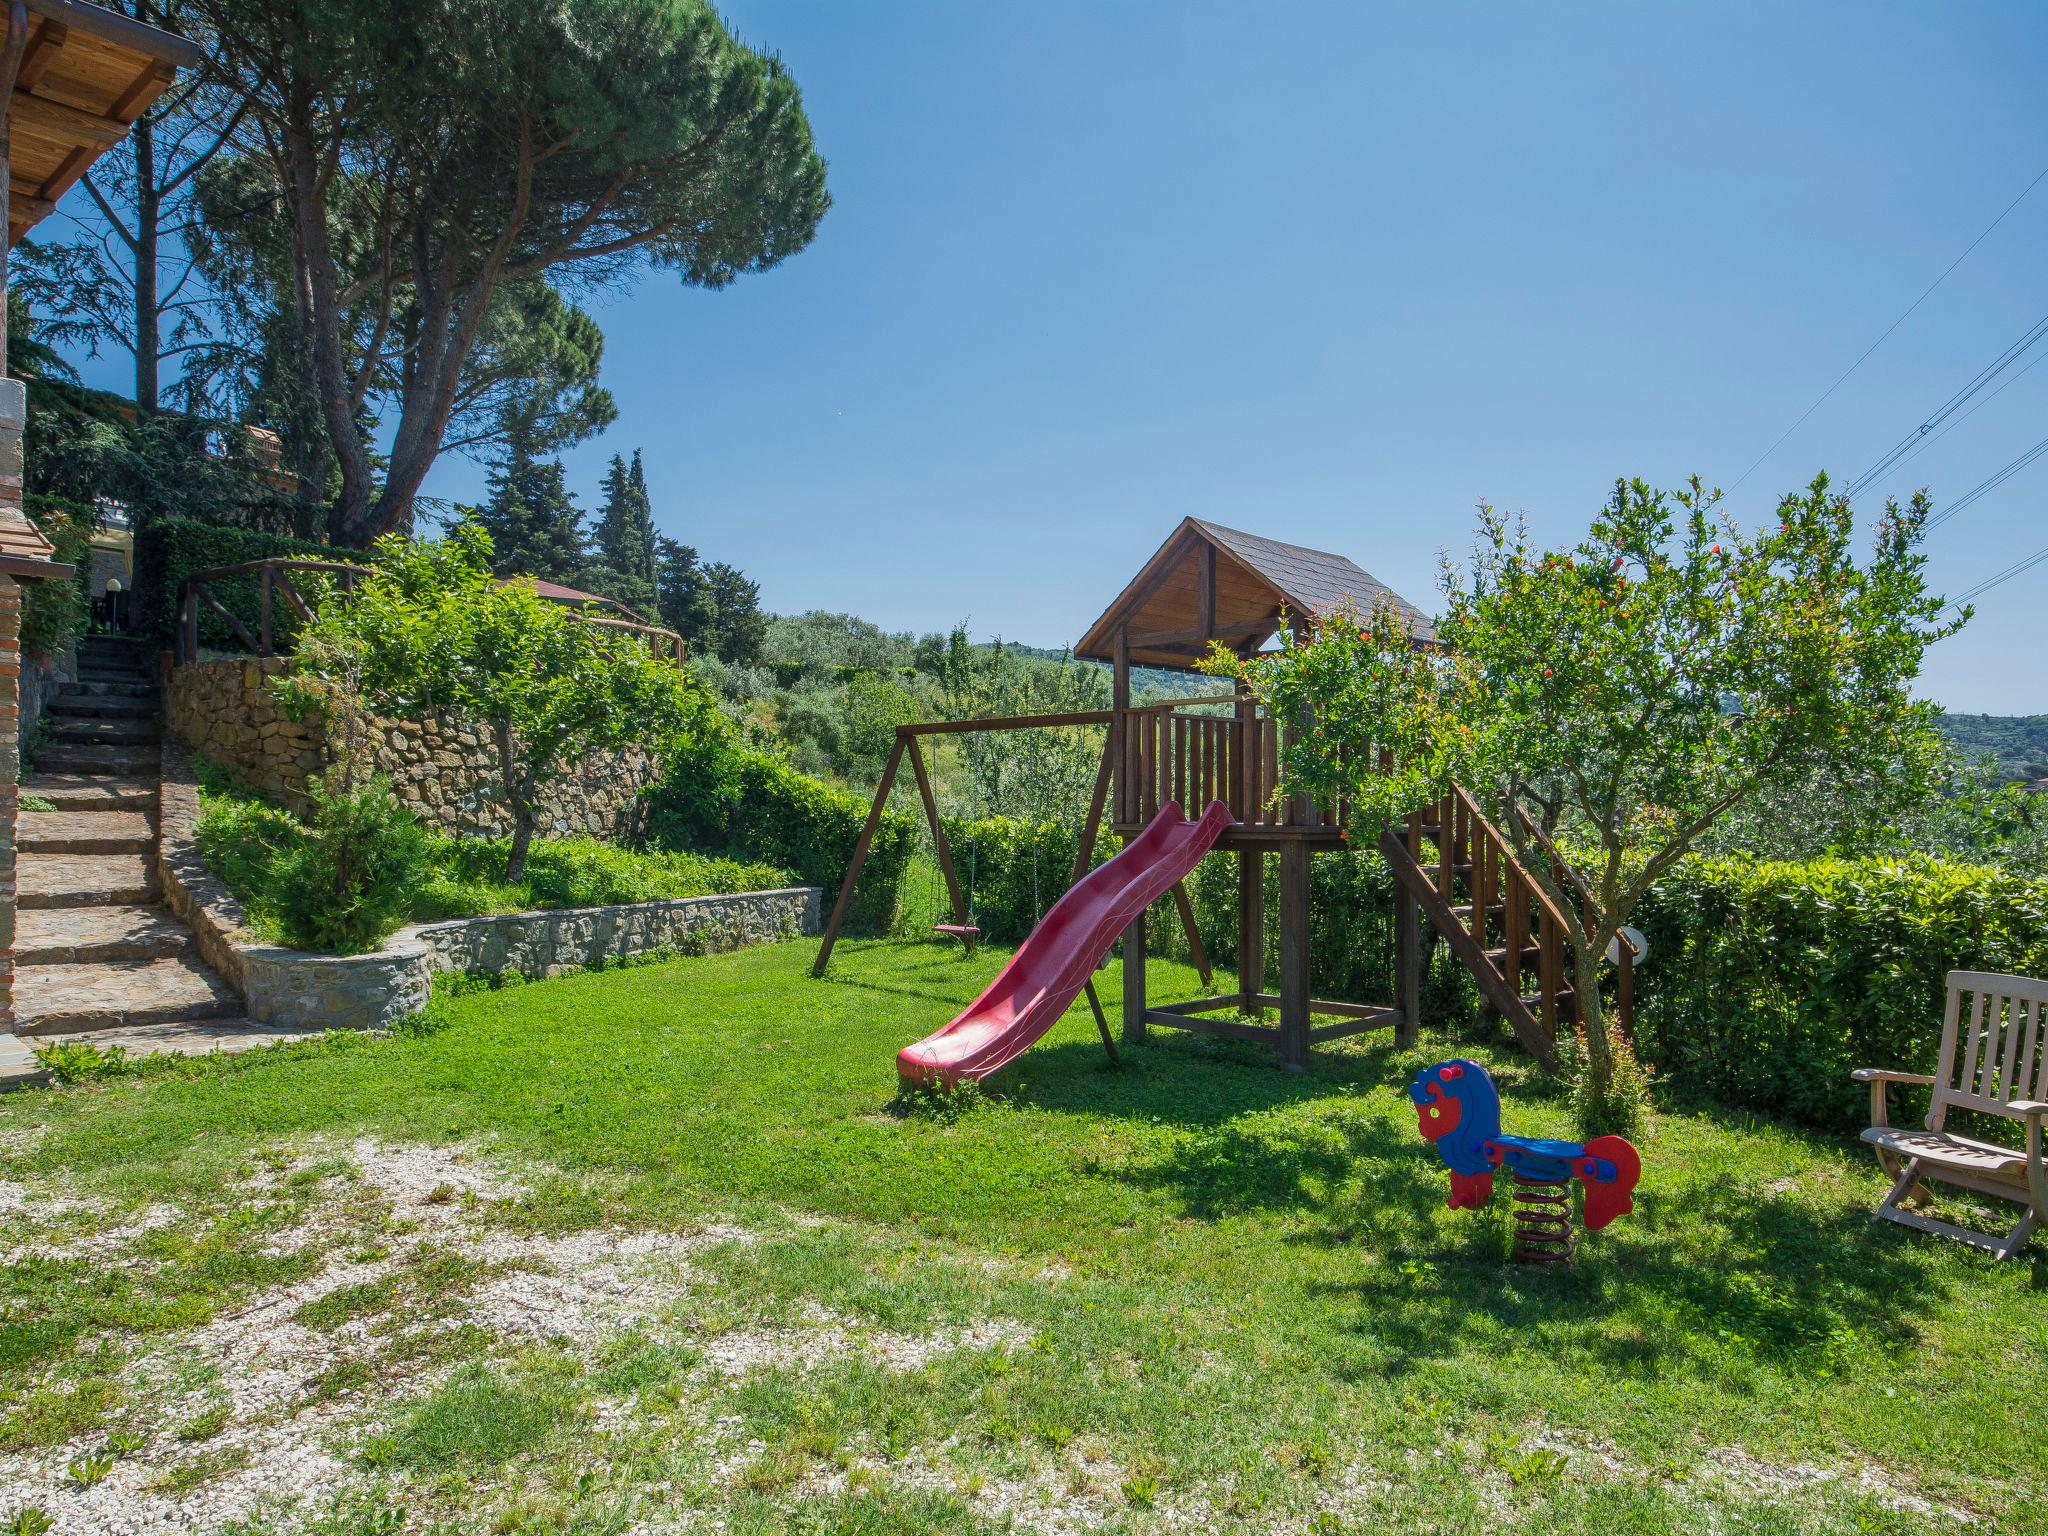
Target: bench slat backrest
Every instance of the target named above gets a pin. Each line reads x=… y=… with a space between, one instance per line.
x=1994 y=1044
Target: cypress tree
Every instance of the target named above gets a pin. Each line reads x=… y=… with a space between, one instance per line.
x=532 y=519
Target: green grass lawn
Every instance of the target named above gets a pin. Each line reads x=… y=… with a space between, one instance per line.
x=644 y=1250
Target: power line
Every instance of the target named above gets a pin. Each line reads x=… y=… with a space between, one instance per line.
x=1929 y=442
x=1985 y=487
x=1888 y=331
x=2017 y=568
x=1949 y=407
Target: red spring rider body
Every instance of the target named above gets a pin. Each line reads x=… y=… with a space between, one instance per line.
x=1458 y=1110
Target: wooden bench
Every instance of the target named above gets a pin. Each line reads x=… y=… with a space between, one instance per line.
x=1994 y=1060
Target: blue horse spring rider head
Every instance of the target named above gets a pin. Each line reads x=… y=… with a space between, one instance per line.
x=1458 y=1109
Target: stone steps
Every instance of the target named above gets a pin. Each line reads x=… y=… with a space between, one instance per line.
x=113 y=761
x=94 y=831
x=46 y=880
x=201 y=1037
x=90 y=792
x=95 y=935
x=117 y=688
x=116 y=995
x=111 y=733
x=87 y=706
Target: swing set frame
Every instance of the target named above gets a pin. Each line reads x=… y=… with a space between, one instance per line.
x=962 y=926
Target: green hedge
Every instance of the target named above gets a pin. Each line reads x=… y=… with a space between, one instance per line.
x=54 y=613
x=167 y=550
x=753 y=805
x=1768 y=983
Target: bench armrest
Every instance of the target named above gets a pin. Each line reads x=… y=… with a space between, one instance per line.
x=2030 y=1108
x=1879 y=1078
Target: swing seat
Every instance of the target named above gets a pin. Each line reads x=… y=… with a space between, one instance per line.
x=961 y=931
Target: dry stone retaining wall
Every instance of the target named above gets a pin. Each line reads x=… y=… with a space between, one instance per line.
x=441 y=768
x=287 y=987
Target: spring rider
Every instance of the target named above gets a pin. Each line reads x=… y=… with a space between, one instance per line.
x=1459 y=1110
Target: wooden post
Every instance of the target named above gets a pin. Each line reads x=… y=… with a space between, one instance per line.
x=1407 y=965
x=860 y=856
x=1134 y=981
x=939 y=843
x=1120 y=730
x=1251 y=928
x=1294 y=955
x=263 y=581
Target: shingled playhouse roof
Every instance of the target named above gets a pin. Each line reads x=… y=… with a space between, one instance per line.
x=1257 y=579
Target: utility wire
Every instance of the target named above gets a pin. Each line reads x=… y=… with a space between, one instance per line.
x=1929 y=442
x=2017 y=568
x=1985 y=487
x=1949 y=407
x=1888 y=331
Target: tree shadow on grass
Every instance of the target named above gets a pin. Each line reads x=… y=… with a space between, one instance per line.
x=1699 y=1269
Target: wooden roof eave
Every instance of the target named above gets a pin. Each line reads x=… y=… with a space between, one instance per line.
x=1163 y=648
x=83 y=75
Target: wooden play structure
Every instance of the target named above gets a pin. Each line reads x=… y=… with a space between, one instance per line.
x=1209 y=584
x=1993 y=1061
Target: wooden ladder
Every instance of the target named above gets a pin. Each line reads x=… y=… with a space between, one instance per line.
x=1496 y=918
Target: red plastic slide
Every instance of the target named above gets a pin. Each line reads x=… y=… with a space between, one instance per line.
x=1049 y=969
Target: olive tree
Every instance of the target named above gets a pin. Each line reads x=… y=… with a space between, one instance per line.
x=1629 y=692
x=430 y=632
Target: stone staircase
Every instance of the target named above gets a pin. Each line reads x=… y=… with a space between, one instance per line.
x=96 y=957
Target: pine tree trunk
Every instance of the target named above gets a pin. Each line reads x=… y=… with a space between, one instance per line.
x=148 y=319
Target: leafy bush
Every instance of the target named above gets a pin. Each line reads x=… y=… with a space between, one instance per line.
x=80 y=1061
x=578 y=872
x=351 y=879
x=54 y=613
x=758 y=806
x=1768 y=983
x=167 y=550
x=254 y=846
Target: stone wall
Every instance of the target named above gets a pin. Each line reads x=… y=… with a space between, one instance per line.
x=440 y=767
x=555 y=943
x=289 y=988
x=42 y=679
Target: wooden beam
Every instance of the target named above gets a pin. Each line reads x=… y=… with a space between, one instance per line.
x=55 y=120
x=860 y=857
x=1134 y=981
x=42 y=48
x=1205 y=590
x=1163 y=639
x=1200 y=1024
x=1005 y=723
x=1294 y=956
x=154 y=80
x=1197 y=950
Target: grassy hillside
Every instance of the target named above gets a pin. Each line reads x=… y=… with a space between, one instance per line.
x=2019 y=743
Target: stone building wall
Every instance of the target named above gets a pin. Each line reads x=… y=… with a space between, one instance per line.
x=441 y=768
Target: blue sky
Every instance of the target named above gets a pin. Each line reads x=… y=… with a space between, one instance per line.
x=1335 y=272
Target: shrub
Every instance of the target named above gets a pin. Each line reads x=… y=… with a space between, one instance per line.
x=168 y=550
x=350 y=882
x=1768 y=982
x=755 y=805
x=54 y=613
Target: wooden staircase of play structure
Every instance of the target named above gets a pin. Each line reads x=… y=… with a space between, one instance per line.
x=1496 y=918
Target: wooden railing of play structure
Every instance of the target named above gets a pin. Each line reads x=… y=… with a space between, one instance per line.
x=1179 y=750
x=275 y=590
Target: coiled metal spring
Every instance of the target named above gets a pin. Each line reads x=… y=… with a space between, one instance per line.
x=1543 y=1220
